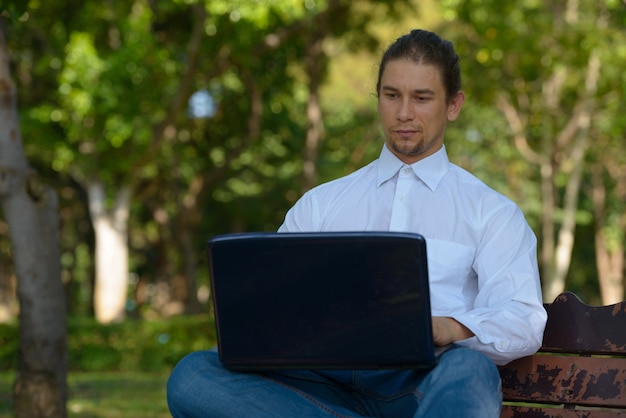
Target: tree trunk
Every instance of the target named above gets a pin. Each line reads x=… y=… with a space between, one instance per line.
x=571 y=140
x=609 y=249
x=578 y=129
x=8 y=311
x=188 y=224
x=30 y=209
x=111 y=232
x=314 y=67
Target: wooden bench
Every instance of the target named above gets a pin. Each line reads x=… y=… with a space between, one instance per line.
x=580 y=370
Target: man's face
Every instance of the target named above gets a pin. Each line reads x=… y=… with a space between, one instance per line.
x=413 y=109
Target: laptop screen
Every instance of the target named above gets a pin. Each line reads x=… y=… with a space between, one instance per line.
x=321 y=300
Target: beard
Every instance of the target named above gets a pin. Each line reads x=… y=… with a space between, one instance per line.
x=413 y=148
x=407 y=148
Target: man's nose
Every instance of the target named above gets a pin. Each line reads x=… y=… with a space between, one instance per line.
x=405 y=111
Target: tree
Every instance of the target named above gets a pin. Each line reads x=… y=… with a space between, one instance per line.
x=250 y=164
x=30 y=208
x=607 y=184
x=542 y=66
x=114 y=117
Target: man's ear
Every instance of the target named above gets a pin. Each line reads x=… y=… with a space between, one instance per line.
x=455 y=105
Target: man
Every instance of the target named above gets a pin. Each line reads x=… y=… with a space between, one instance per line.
x=485 y=291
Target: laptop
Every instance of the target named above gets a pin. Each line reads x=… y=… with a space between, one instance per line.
x=321 y=300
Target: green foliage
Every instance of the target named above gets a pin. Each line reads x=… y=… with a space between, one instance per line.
x=481 y=127
x=535 y=54
x=95 y=86
x=13 y=10
x=134 y=345
x=9 y=346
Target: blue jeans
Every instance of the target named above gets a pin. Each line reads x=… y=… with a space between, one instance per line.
x=465 y=383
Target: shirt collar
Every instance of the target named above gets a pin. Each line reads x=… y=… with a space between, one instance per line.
x=430 y=170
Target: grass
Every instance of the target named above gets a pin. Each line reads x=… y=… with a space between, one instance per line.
x=105 y=395
x=115 y=370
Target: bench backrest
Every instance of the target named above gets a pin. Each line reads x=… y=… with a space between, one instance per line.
x=580 y=370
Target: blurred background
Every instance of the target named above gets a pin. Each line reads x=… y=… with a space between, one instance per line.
x=161 y=123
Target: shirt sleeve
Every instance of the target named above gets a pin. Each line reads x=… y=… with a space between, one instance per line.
x=507 y=317
x=302 y=217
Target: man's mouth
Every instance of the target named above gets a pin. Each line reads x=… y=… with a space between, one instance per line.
x=404 y=133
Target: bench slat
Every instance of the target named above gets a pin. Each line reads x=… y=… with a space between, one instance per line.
x=566 y=380
x=509 y=411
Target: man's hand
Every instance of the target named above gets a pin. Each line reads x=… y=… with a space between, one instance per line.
x=447 y=330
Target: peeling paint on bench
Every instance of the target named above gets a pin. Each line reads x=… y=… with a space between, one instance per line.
x=580 y=370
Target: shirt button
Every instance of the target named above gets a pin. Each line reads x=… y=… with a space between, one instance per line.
x=407 y=171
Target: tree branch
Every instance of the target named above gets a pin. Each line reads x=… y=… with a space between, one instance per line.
x=517 y=126
x=164 y=130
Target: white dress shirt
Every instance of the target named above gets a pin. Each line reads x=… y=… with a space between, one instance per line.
x=482 y=257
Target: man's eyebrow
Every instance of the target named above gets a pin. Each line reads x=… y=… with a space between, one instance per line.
x=424 y=91
x=416 y=91
x=390 y=88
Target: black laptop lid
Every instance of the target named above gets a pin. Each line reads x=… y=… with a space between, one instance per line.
x=353 y=300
